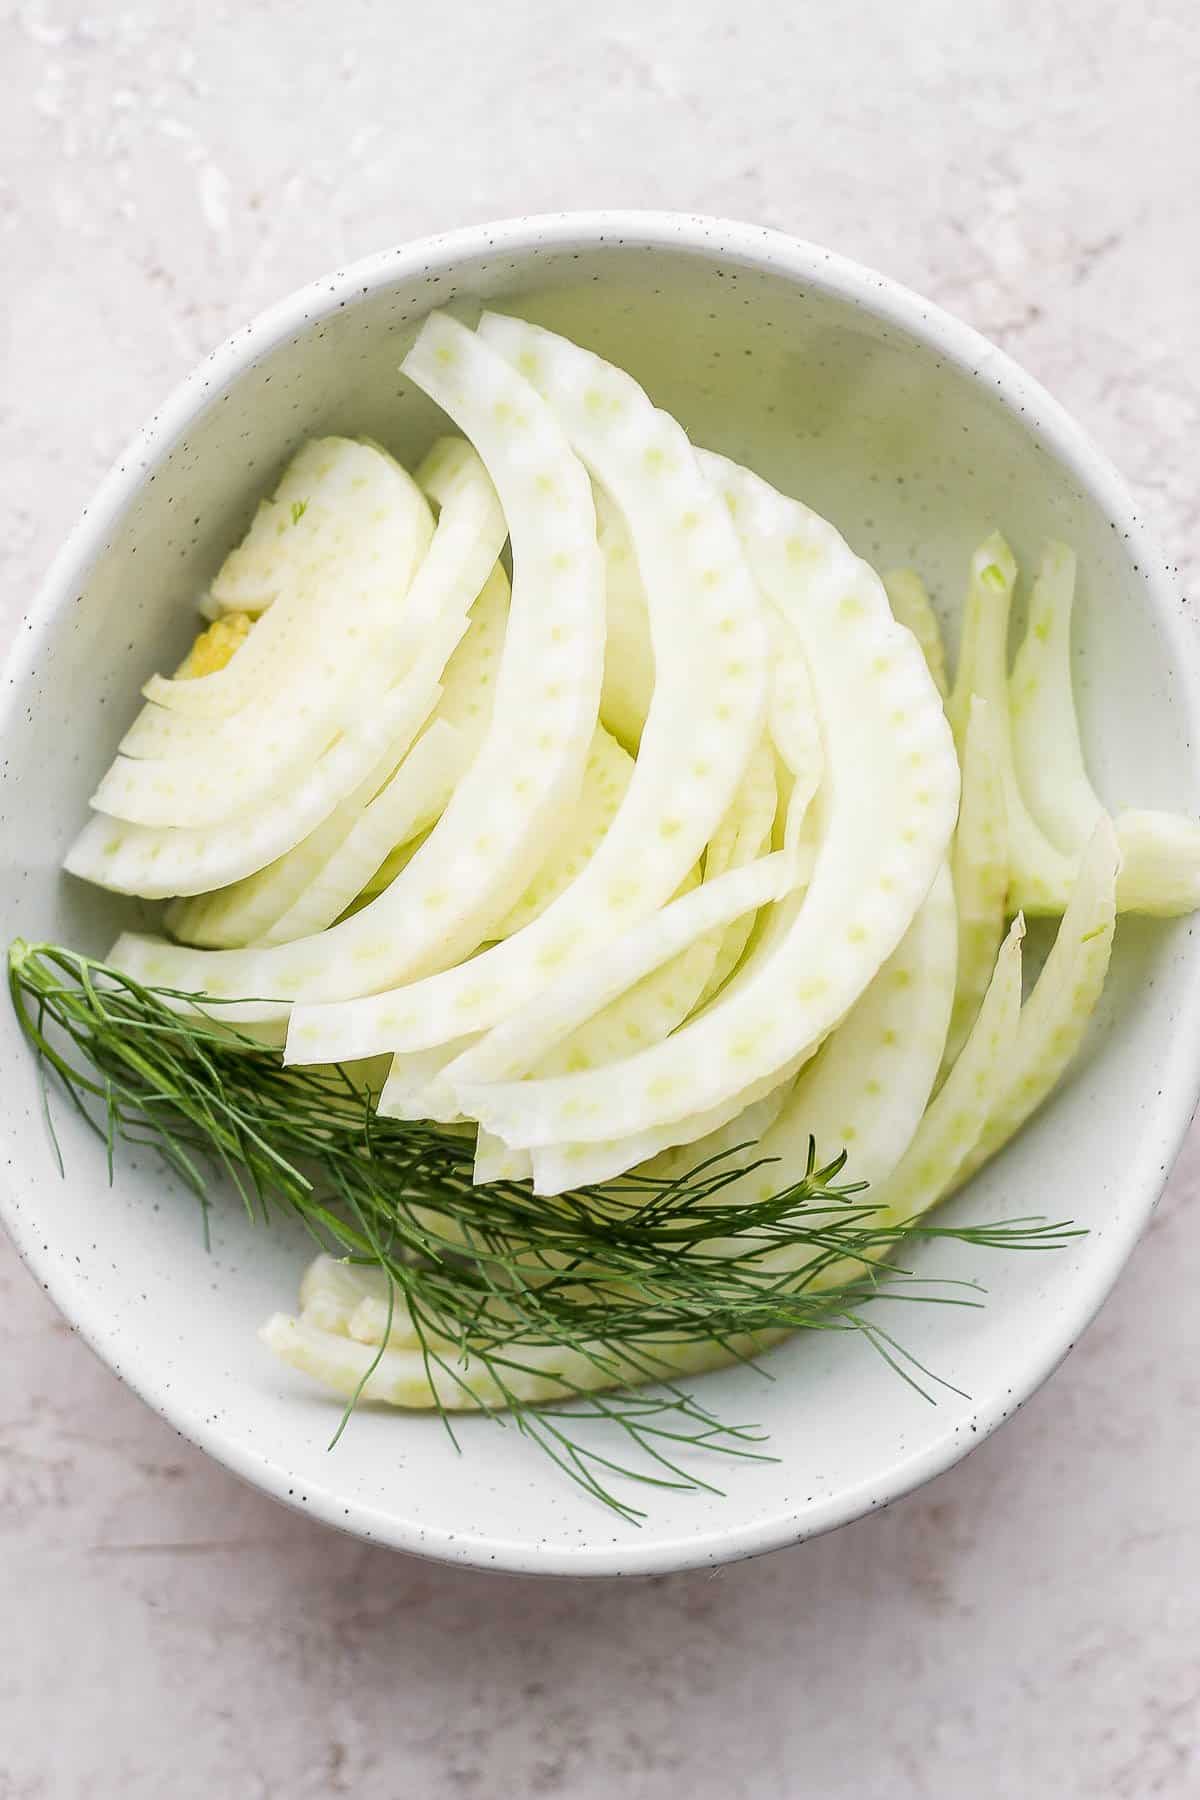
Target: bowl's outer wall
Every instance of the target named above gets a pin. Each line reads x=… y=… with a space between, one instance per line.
x=770 y=355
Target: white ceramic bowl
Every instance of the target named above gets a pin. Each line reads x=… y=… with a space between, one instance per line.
x=915 y=437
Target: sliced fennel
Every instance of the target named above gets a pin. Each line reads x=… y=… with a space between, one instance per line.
x=653 y=1005
x=893 y=794
x=1160 y=863
x=942 y=1145
x=374 y=613
x=469 y=678
x=661 y=999
x=332 y=1292
x=1057 y=1012
x=657 y=861
x=579 y=993
x=793 y=716
x=445 y=1379
x=526 y=776
x=606 y=777
x=414 y=1088
x=867 y=1089
x=705 y=719
x=393 y=864
x=246 y=911
x=161 y=862
x=409 y=801
x=167 y=861
x=951 y=1123
x=328 y=492
x=559 y=1167
x=469 y=536
x=745 y=833
x=980 y=868
x=1160 y=851
x=645 y=1012
x=744 y=1133
x=912 y=608
x=1047 y=753
x=1038 y=872
x=325 y=481
x=628 y=653
x=494 y=1161
x=189 y=773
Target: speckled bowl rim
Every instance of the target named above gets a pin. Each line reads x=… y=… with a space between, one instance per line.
x=810 y=267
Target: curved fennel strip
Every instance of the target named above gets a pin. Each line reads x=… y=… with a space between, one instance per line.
x=745 y=1131
x=453 y=1383
x=561 y=1166
x=1047 y=754
x=579 y=993
x=606 y=777
x=162 y=863
x=159 y=862
x=653 y=1005
x=412 y=1090
x=239 y=914
x=938 y=1156
x=628 y=655
x=794 y=727
x=891 y=804
x=190 y=773
x=705 y=718
x=980 y=868
x=242 y=913
x=590 y=1011
x=661 y=999
x=652 y=1008
x=647 y=1012
x=470 y=677
x=1160 y=851
x=411 y=799
x=1039 y=873
x=792 y=712
x=370 y=619
x=526 y=776
x=1057 y=1012
x=912 y=608
x=557 y=1168
x=328 y=480
x=328 y=489
x=470 y=533
x=868 y=1086
x=750 y=836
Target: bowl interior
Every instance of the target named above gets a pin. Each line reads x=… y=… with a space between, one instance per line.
x=915 y=440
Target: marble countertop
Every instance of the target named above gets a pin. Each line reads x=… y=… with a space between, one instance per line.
x=1029 y=1625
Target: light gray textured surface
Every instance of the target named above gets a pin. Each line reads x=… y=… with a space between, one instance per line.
x=1028 y=1625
